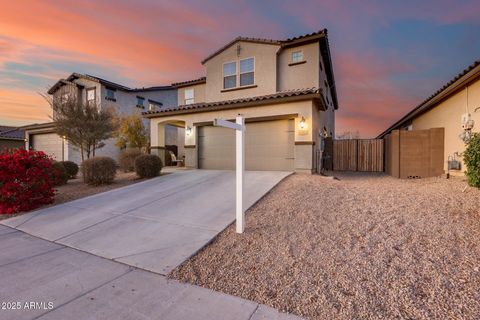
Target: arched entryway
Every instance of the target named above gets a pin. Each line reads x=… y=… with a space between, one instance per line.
x=171 y=142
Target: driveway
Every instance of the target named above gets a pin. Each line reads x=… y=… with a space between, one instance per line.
x=153 y=225
x=45 y=280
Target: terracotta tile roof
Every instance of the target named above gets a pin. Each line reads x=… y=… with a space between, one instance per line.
x=11 y=133
x=426 y=105
x=189 y=82
x=218 y=104
x=319 y=32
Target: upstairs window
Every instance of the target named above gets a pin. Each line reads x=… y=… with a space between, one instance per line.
x=229 y=75
x=110 y=94
x=91 y=95
x=153 y=105
x=247 y=72
x=297 y=56
x=141 y=102
x=189 y=94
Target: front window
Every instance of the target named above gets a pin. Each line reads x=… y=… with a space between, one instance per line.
x=110 y=94
x=297 y=56
x=229 y=75
x=140 y=102
x=189 y=93
x=91 y=95
x=247 y=72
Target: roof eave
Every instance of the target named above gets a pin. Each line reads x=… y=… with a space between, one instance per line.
x=240 y=39
x=459 y=84
x=226 y=106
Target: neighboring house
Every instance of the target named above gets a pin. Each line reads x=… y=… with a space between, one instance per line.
x=455 y=107
x=284 y=88
x=106 y=94
x=11 y=137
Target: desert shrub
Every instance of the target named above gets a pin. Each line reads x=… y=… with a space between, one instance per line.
x=126 y=160
x=471 y=157
x=99 y=170
x=71 y=167
x=26 y=180
x=60 y=176
x=148 y=166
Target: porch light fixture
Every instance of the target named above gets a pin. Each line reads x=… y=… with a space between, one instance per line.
x=303 y=124
x=188 y=131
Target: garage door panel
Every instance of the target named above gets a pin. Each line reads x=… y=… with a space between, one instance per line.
x=50 y=143
x=269 y=145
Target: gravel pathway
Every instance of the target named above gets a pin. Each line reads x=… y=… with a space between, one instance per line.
x=363 y=247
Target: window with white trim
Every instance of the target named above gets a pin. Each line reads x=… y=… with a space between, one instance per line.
x=247 y=72
x=297 y=56
x=229 y=75
x=189 y=96
x=91 y=95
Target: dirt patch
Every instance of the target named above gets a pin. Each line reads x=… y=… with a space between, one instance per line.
x=362 y=247
x=76 y=189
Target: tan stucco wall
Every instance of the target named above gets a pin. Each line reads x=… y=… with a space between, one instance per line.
x=305 y=75
x=265 y=71
x=448 y=115
x=198 y=93
x=303 y=153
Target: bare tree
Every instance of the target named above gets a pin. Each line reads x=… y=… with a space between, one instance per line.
x=84 y=124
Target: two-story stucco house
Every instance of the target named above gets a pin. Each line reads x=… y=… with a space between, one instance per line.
x=285 y=89
x=106 y=94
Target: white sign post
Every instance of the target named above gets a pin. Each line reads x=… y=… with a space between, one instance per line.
x=239 y=127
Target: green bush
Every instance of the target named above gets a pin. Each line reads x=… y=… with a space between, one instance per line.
x=71 y=167
x=99 y=170
x=126 y=160
x=60 y=174
x=148 y=166
x=471 y=157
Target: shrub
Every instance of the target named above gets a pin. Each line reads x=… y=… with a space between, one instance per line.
x=71 y=167
x=60 y=176
x=148 y=166
x=126 y=160
x=26 y=180
x=471 y=157
x=99 y=170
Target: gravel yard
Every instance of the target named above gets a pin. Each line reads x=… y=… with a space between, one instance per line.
x=363 y=247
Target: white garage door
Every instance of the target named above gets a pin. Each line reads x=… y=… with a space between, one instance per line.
x=50 y=143
x=269 y=146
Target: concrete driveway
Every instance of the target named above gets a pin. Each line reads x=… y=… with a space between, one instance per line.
x=66 y=283
x=153 y=225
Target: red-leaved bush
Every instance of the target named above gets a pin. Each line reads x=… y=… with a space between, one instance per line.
x=26 y=180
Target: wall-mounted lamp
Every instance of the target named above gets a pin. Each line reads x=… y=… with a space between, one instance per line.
x=303 y=124
x=188 y=131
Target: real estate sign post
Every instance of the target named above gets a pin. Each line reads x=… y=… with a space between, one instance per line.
x=239 y=127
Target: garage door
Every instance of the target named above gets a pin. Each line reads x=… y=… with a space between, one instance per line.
x=269 y=146
x=50 y=143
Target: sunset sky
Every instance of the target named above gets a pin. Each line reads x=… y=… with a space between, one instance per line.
x=388 y=56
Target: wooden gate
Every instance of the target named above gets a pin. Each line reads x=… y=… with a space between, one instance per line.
x=358 y=155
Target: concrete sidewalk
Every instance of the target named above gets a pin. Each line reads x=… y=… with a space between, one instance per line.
x=83 y=286
x=154 y=225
